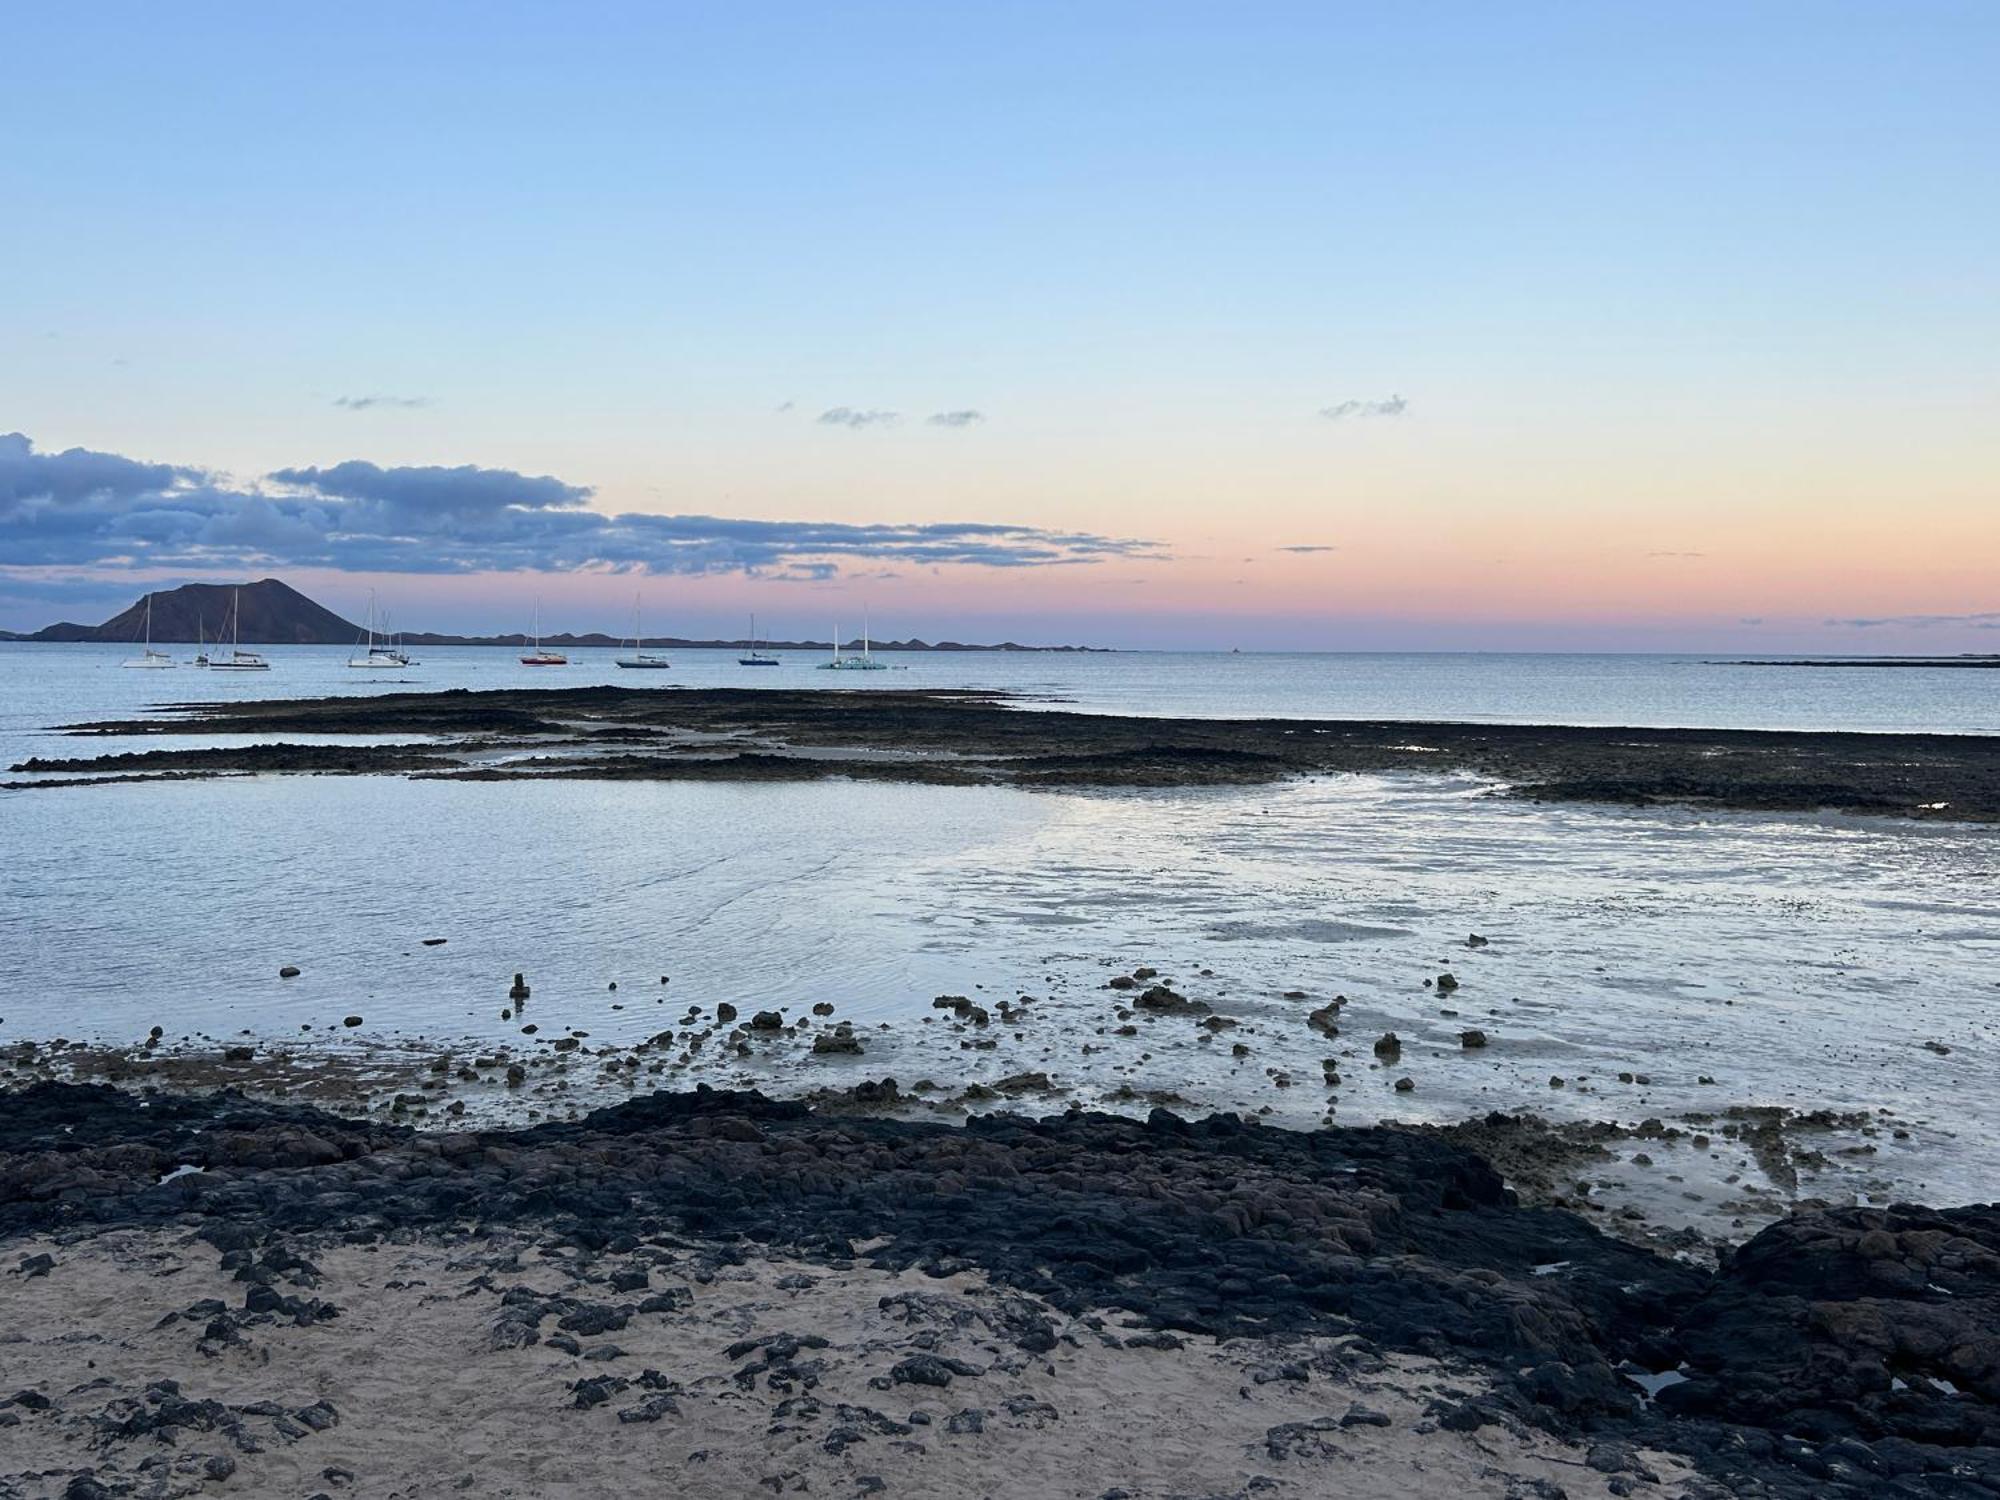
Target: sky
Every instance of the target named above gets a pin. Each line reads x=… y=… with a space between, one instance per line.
x=1434 y=326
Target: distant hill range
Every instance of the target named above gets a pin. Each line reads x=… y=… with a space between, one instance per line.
x=276 y=614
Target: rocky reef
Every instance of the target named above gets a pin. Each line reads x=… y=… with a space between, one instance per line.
x=1842 y=1352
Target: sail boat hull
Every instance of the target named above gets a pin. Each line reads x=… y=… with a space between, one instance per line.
x=645 y=663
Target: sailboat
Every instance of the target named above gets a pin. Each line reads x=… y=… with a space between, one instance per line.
x=200 y=642
x=384 y=655
x=238 y=660
x=151 y=658
x=641 y=658
x=538 y=657
x=865 y=662
x=756 y=658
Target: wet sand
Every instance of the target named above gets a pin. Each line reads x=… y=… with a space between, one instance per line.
x=955 y=737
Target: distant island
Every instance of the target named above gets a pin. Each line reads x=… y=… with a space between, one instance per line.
x=1969 y=659
x=275 y=613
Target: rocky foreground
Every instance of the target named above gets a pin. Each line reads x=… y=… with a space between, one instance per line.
x=718 y=1294
x=952 y=737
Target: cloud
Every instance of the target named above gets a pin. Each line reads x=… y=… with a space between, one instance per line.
x=1340 y=411
x=76 y=475
x=1677 y=554
x=848 y=416
x=80 y=509
x=965 y=418
x=433 y=489
x=1305 y=547
x=364 y=403
x=1980 y=620
x=784 y=406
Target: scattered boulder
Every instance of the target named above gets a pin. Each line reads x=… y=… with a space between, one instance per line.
x=840 y=1040
x=1163 y=1001
x=931 y=1369
x=1471 y=1037
x=289 y=971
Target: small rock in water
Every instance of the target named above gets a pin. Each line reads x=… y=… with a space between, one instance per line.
x=1472 y=1036
x=434 y=942
x=725 y=1013
x=1389 y=1045
x=1404 y=1085
x=520 y=990
x=1446 y=984
x=350 y=1020
x=840 y=1039
x=1474 y=940
x=768 y=1020
x=289 y=971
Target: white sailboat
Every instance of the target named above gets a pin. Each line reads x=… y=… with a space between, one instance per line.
x=377 y=657
x=865 y=662
x=238 y=660
x=756 y=658
x=537 y=657
x=642 y=659
x=151 y=658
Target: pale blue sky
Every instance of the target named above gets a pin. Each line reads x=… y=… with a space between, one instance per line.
x=1687 y=279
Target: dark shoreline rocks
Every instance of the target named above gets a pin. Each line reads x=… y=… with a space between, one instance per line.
x=960 y=737
x=1839 y=1352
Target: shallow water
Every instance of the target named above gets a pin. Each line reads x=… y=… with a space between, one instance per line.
x=1794 y=961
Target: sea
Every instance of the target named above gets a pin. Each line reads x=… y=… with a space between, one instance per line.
x=1638 y=965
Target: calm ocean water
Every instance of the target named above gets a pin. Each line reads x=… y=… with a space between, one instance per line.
x=1795 y=960
x=45 y=684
